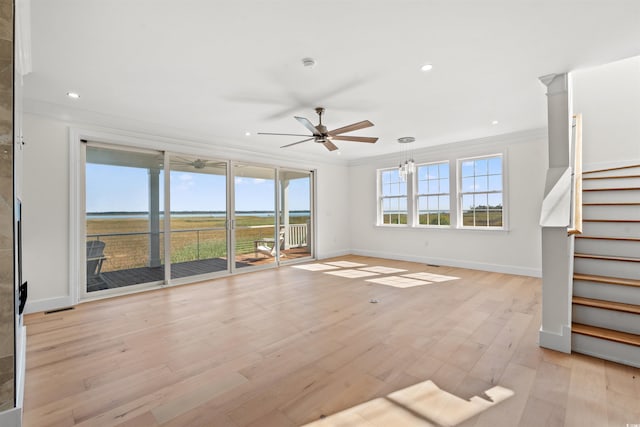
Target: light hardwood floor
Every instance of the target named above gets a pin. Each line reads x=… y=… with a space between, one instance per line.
x=286 y=347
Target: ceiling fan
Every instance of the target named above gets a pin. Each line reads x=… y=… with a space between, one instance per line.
x=321 y=135
x=197 y=163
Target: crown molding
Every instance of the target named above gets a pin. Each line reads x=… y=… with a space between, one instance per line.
x=462 y=147
x=169 y=137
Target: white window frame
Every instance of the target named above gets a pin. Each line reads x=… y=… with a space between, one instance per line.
x=416 y=195
x=381 y=198
x=460 y=193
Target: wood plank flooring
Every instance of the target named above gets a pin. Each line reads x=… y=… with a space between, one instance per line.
x=286 y=347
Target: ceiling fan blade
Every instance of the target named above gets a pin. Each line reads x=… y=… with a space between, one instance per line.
x=296 y=143
x=350 y=128
x=306 y=123
x=369 y=139
x=282 y=134
x=330 y=145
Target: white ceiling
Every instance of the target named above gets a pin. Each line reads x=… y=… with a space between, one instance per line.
x=218 y=69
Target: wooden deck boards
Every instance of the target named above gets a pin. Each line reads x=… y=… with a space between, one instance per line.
x=287 y=346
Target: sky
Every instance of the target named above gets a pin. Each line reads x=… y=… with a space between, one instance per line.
x=117 y=189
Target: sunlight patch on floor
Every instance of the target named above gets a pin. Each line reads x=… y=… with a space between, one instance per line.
x=430 y=277
x=346 y=264
x=315 y=267
x=383 y=270
x=422 y=404
x=398 y=282
x=352 y=274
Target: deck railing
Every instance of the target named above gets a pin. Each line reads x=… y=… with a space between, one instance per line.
x=126 y=250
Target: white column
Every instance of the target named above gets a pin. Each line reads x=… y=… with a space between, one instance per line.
x=557 y=246
x=154 y=218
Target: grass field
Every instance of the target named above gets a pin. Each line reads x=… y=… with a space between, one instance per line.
x=187 y=244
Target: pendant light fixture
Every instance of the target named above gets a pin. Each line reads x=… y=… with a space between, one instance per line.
x=407 y=165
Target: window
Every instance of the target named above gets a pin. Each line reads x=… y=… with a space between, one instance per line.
x=432 y=194
x=392 y=198
x=480 y=193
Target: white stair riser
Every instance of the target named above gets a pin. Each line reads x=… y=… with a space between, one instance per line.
x=607 y=247
x=610 y=196
x=611 y=183
x=609 y=319
x=611 y=212
x=605 y=349
x=625 y=270
x=611 y=229
x=606 y=291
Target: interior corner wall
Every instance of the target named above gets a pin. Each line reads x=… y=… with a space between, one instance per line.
x=608 y=97
x=516 y=251
x=46 y=204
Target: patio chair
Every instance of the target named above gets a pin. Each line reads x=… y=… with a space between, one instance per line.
x=95 y=258
x=268 y=246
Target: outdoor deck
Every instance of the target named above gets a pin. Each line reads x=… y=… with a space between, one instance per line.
x=135 y=276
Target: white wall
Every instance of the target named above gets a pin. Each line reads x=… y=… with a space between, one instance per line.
x=514 y=251
x=608 y=97
x=46 y=205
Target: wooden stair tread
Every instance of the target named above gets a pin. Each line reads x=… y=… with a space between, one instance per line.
x=620 y=239
x=611 y=177
x=609 y=305
x=611 y=220
x=606 y=279
x=612 y=189
x=612 y=204
x=606 y=257
x=607 y=334
x=611 y=169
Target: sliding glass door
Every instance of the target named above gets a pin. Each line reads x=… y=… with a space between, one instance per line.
x=198 y=216
x=295 y=213
x=255 y=236
x=124 y=194
x=154 y=218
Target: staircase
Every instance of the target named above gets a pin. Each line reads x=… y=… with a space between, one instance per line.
x=606 y=280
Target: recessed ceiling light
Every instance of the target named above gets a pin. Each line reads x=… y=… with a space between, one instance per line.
x=308 y=62
x=339 y=153
x=247 y=134
x=426 y=67
x=73 y=95
x=495 y=122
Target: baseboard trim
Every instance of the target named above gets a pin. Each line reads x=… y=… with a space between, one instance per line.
x=36 y=306
x=334 y=254
x=554 y=341
x=11 y=418
x=471 y=265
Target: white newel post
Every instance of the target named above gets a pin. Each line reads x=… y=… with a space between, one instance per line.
x=557 y=246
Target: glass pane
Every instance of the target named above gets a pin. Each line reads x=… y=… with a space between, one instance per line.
x=198 y=216
x=468 y=218
x=495 y=218
x=434 y=187
x=495 y=165
x=256 y=239
x=467 y=168
x=443 y=203
x=444 y=186
x=468 y=185
x=495 y=200
x=444 y=170
x=433 y=172
x=445 y=218
x=295 y=213
x=422 y=172
x=480 y=201
x=432 y=203
x=481 y=183
x=124 y=216
x=423 y=187
x=481 y=218
x=467 y=202
x=495 y=183
x=481 y=167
